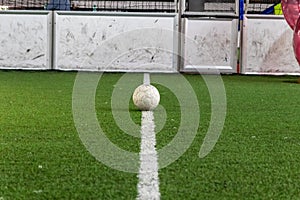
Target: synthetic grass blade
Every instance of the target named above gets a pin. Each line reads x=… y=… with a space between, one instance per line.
x=217 y=93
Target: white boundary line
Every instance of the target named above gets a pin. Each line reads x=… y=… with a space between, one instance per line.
x=146 y=78
x=148 y=186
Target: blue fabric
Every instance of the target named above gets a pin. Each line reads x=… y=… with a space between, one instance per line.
x=59 y=5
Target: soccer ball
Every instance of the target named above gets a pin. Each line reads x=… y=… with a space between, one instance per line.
x=146 y=97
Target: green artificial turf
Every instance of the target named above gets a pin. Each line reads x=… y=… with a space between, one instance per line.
x=257 y=155
x=42 y=156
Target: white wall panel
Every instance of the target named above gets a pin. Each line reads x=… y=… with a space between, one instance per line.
x=267 y=46
x=98 y=41
x=25 y=40
x=210 y=45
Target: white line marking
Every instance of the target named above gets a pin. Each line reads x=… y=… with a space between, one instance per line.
x=148 y=186
x=146 y=78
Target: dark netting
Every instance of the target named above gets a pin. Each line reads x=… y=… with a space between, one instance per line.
x=211 y=6
x=21 y=4
x=95 y=5
x=263 y=7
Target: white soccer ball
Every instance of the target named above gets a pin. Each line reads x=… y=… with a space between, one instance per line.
x=146 y=97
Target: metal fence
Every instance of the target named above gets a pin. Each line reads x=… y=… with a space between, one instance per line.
x=221 y=6
x=95 y=5
x=263 y=7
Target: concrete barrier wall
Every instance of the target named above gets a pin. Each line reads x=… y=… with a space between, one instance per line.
x=95 y=41
x=143 y=42
x=210 y=45
x=267 y=46
x=25 y=40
